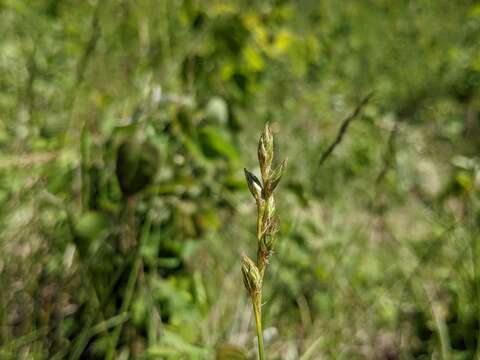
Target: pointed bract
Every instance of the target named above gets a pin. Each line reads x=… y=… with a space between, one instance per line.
x=254 y=184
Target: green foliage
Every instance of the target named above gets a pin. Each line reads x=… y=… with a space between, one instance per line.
x=124 y=129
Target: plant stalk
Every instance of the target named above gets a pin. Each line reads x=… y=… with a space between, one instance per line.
x=256 y=300
x=267 y=226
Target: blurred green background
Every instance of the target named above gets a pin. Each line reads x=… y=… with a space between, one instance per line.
x=124 y=129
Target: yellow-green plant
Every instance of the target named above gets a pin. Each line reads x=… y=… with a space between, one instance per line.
x=267 y=226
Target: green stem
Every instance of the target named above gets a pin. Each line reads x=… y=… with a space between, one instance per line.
x=256 y=300
x=260 y=210
x=132 y=281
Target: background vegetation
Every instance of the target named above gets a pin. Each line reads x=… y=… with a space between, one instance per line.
x=124 y=129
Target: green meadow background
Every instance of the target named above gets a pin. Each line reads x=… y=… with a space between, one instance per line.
x=125 y=126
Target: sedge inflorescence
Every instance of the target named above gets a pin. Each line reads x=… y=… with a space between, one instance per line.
x=267 y=223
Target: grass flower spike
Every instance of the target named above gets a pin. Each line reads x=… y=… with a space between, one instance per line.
x=267 y=226
x=251 y=276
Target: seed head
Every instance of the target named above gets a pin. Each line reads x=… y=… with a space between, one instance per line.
x=267 y=244
x=269 y=214
x=269 y=229
x=265 y=152
x=251 y=275
x=275 y=176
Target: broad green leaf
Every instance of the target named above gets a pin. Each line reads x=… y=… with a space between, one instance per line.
x=217 y=142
